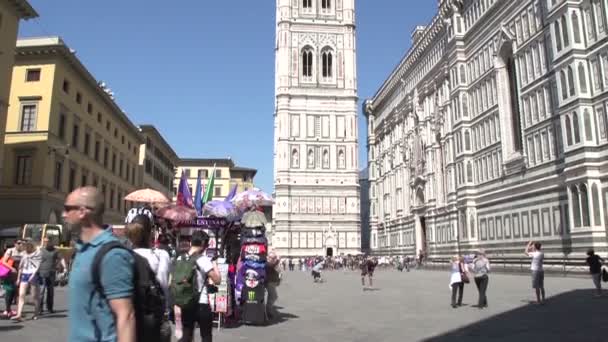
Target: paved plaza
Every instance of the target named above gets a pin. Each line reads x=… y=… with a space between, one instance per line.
x=404 y=306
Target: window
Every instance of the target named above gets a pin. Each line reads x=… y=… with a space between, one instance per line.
x=66 y=86
x=75 y=135
x=32 y=75
x=582 y=78
x=99 y=119
x=78 y=98
x=326 y=4
x=87 y=143
x=89 y=108
x=62 y=123
x=576 y=28
x=557 y=34
x=307 y=4
x=588 y=126
x=571 y=81
x=113 y=162
x=57 y=180
x=217 y=192
x=515 y=112
x=106 y=155
x=595 y=197
x=307 y=59
x=568 y=131
x=327 y=64
x=565 y=31
x=564 y=84
x=601 y=122
x=97 y=148
x=584 y=205
x=83 y=179
x=108 y=125
x=111 y=198
x=115 y=132
x=24 y=170
x=28 y=118
x=72 y=179
x=218 y=173
x=576 y=128
x=187 y=172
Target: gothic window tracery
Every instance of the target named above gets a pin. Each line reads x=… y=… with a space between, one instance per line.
x=327 y=64
x=307 y=63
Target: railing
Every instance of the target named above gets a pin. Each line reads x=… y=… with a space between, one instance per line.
x=554 y=265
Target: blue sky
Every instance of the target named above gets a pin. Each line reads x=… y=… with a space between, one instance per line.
x=202 y=72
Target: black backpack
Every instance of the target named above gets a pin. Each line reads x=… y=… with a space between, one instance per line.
x=148 y=298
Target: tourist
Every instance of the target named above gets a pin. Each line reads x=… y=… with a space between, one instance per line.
x=316 y=271
x=367 y=269
x=27 y=277
x=11 y=260
x=273 y=279
x=481 y=268
x=50 y=261
x=595 y=268
x=533 y=250
x=114 y=316
x=198 y=311
x=458 y=277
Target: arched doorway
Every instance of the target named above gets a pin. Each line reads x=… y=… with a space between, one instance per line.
x=330 y=247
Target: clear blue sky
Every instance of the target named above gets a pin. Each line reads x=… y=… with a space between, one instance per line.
x=202 y=71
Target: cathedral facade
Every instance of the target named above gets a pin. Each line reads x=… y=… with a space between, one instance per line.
x=316 y=185
x=492 y=131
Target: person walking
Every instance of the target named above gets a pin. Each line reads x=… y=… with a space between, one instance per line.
x=11 y=260
x=367 y=269
x=27 y=278
x=481 y=268
x=273 y=280
x=595 y=268
x=458 y=277
x=533 y=250
x=50 y=261
x=113 y=317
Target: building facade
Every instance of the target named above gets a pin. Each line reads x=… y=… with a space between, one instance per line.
x=227 y=175
x=157 y=161
x=11 y=12
x=64 y=130
x=315 y=139
x=492 y=132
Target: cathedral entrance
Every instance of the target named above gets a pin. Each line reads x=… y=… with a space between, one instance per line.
x=329 y=252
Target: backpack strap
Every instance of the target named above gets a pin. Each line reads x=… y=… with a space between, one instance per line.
x=96 y=265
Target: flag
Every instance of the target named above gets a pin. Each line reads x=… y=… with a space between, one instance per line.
x=209 y=191
x=198 y=200
x=184 y=197
x=231 y=194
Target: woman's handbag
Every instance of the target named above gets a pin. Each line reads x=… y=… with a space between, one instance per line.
x=463 y=275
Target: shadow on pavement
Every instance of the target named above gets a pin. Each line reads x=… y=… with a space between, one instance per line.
x=10 y=327
x=571 y=316
x=280 y=318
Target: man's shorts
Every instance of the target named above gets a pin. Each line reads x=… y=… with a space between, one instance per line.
x=316 y=274
x=538 y=279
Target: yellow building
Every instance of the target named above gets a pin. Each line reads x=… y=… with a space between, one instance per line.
x=227 y=175
x=63 y=130
x=11 y=12
x=157 y=161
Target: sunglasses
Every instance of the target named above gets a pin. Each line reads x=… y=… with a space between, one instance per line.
x=68 y=208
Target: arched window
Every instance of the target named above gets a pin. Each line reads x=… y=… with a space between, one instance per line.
x=469 y=172
x=595 y=197
x=582 y=77
x=576 y=128
x=311 y=159
x=576 y=206
x=565 y=31
x=584 y=205
x=571 y=81
x=558 y=34
x=307 y=59
x=588 y=126
x=564 y=84
x=328 y=63
x=341 y=159
x=467 y=141
x=465 y=108
x=295 y=158
x=472 y=225
x=576 y=28
x=463 y=77
x=568 y=131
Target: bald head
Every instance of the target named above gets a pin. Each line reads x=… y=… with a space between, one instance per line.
x=91 y=198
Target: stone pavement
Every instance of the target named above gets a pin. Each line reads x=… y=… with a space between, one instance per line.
x=404 y=306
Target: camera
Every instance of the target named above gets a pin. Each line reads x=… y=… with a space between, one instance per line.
x=211 y=289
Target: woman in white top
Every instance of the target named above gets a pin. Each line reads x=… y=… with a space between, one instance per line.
x=27 y=277
x=458 y=277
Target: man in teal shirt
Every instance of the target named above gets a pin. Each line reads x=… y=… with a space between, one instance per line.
x=93 y=317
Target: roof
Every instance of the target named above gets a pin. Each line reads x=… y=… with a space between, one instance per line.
x=154 y=131
x=24 y=9
x=202 y=162
x=244 y=169
x=36 y=46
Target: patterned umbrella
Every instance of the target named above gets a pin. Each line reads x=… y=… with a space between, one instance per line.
x=147 y=196
x=253 y=219
x=223 y=209
x=176 y=213
x=252 y=198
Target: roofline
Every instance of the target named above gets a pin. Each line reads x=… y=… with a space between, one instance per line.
x=244 y=169
x=154 y=130
x=24 y=9
x=210 y=161
x=56 y=45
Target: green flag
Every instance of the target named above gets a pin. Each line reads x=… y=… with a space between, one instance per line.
x=209 y=189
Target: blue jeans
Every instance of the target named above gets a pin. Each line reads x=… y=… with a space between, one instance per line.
x=47 y=286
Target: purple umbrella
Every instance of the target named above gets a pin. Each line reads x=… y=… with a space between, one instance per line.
x=221 y=209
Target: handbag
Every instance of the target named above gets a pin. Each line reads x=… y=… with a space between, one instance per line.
x=463 y=275
x=5 y=267
x=604 y=275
